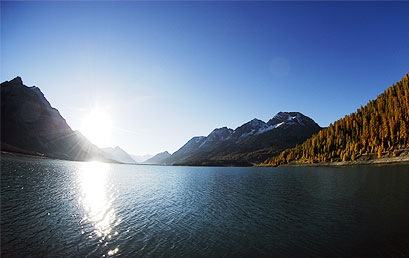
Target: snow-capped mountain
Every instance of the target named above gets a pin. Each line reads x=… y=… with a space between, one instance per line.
x=216 y=136
x=250 y=128
x=249 y=142
x=289 y=117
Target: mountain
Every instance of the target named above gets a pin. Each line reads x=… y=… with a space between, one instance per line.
x=249 y=143
x=30 y=125
x=158 y=159
x=119 y=155
x=140 y=158
x=199 y=144
x=380 y=129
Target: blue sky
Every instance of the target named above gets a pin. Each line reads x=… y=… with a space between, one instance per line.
x=168 y=71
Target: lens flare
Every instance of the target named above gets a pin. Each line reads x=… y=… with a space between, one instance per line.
x=97 y=127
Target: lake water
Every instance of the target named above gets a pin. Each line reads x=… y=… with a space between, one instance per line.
x=74 y=209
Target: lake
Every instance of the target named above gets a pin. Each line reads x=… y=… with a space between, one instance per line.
x=53 y=208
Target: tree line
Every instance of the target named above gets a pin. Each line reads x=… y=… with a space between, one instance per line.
x=382 y=125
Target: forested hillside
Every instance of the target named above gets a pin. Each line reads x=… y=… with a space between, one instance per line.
x=381 y=126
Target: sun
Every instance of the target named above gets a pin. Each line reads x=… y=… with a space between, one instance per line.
x=97 y=127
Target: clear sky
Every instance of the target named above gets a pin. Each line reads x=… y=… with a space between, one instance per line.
x=168 y=71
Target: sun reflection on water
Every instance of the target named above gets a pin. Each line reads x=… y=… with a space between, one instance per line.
x=96 y=199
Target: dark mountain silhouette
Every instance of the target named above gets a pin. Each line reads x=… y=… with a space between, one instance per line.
x=250 y=143
x=30 y=125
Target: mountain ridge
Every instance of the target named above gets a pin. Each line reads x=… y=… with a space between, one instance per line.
x=30 y=125
x=158 y=159
x=119 y=155
x=140 y=158
x=248 y=143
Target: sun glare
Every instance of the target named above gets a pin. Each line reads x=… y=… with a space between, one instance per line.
x=97 y=200
x=97 y=127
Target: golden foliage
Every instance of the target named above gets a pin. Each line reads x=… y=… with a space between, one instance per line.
x=382 y=125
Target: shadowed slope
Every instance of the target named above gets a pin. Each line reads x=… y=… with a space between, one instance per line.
x=29 y=125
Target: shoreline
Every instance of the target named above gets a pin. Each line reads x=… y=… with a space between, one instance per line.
x=24 y=155
x=44 y=157
x=404 y=159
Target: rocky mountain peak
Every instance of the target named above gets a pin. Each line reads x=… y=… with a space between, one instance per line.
x=218 y=134
x=255 y=123
x=285 y=117
x=249 y=128
x=222 y=132
x=17 y=80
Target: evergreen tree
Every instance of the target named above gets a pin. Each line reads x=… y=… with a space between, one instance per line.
x=381 y=125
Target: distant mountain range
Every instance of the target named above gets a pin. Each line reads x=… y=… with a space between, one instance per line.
x=140 y=158
x=249 y=143
x=119 y=155
x=158 y=159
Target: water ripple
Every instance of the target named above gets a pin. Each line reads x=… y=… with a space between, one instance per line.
x=59 y=209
